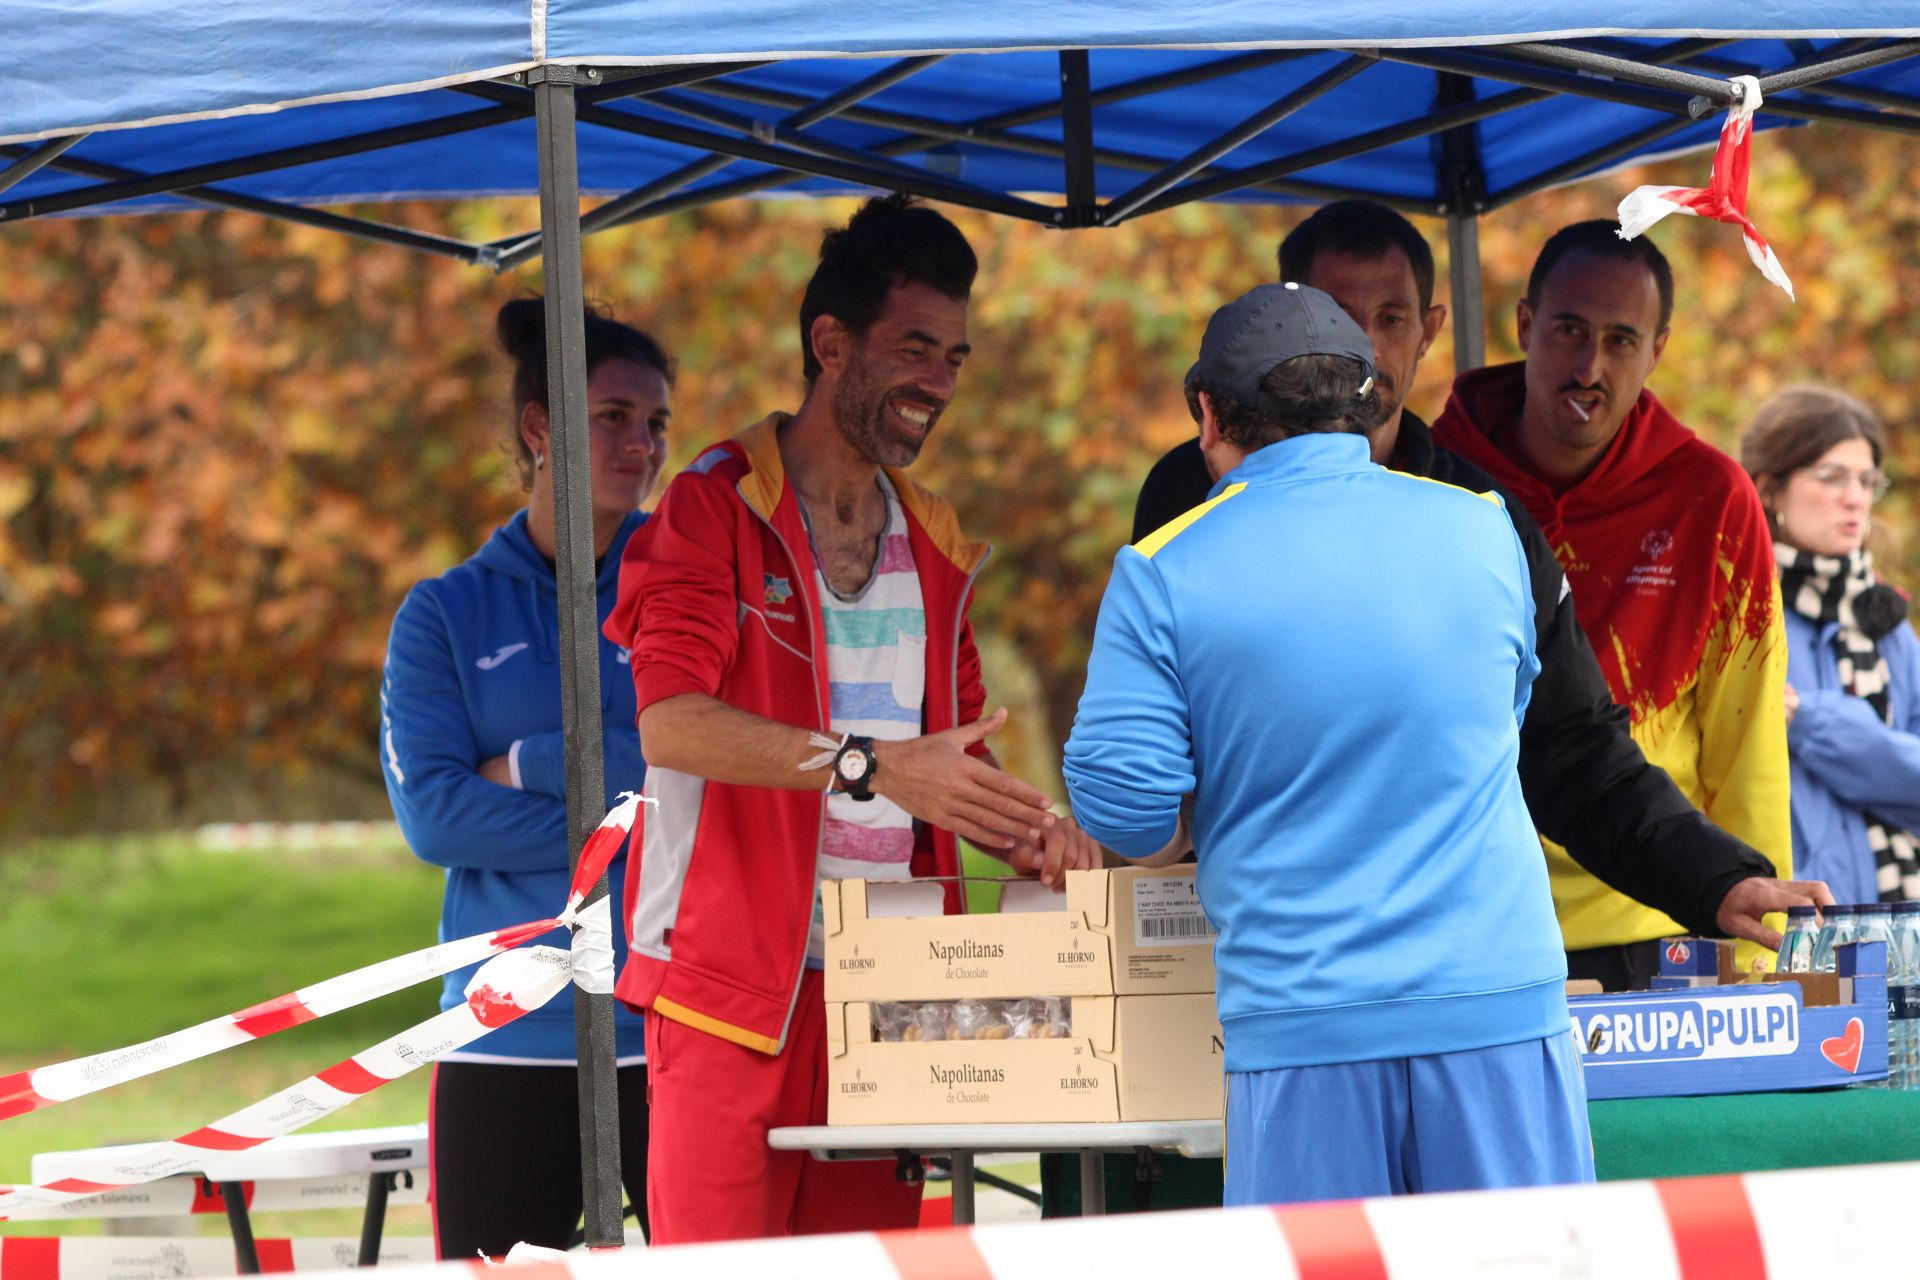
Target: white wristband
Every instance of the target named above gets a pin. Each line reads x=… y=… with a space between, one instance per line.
x=513 y=765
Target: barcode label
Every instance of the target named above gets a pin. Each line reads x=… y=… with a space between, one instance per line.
x=1176 y=927
x=1166 y=912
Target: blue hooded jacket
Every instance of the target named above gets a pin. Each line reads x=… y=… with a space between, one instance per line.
x=1846 y=759
x=473 y=672
x=1333 y=660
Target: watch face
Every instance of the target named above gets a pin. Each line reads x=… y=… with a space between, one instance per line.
x=853 y=764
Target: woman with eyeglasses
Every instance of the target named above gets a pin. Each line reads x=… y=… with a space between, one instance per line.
x=1853 y=663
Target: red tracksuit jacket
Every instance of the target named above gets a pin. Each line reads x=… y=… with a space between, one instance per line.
x=717 y=596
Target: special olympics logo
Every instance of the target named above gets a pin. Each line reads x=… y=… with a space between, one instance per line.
x=1656 y=544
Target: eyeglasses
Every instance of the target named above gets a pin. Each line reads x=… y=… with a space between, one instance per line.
x=1838 y=478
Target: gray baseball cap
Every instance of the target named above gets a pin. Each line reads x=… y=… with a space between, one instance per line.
x=1268 y=326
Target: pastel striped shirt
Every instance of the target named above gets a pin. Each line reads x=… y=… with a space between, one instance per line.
x=877 y=668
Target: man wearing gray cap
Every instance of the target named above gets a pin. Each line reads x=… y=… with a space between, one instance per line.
x=1390 y=971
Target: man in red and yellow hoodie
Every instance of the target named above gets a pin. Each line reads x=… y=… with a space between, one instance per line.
x=1666 y=551
x=809 y=704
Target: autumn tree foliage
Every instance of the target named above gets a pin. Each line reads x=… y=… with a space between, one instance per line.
x=227 y=447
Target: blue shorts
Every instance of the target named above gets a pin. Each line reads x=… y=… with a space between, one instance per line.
x=1514 y=1115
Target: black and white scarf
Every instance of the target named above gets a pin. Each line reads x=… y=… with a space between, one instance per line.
x=1831 y=589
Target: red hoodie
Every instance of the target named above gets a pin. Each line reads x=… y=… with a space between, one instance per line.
x=1667 y=551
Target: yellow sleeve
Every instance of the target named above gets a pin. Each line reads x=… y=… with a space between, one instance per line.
x=1740 y=705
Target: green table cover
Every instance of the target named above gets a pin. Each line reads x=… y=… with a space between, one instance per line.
x=1632 y=1138
x=1744 y=1132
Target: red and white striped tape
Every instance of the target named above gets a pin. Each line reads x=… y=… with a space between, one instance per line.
x=186 y=1258
x=1724 y=198
x=505 y=988
x=1795 y=1223
x=64 y=1081
x=185 y=1196
x=42 y=1087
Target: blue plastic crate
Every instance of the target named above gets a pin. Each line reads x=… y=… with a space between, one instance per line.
x=1746 y=1038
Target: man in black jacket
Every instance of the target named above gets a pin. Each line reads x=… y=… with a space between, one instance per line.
x=1587 y=784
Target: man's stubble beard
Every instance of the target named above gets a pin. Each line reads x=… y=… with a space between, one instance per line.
x=860 y=411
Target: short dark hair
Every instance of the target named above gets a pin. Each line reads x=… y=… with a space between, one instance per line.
x=1318 y=393
x=1600 y=238
x=1796 y=427
x=892 y=240
x=521 y=327
x=1359 y=229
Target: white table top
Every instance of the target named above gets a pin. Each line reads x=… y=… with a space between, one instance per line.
x=1202 y=1139
x=298 y=1155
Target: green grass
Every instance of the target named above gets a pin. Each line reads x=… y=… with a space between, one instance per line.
x=108 y=943
x=104 y=944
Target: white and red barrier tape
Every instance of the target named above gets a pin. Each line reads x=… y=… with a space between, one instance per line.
x=186 y=1258
x=1723 y=198
x=43 y=1087
x=1789 y=1224
x=185 y=1196
x=506 y=987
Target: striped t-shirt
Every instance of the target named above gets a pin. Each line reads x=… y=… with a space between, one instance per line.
x=877 y=669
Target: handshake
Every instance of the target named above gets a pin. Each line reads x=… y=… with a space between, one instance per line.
x=934 y=778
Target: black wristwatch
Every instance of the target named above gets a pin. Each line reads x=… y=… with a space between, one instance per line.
x=855 y=766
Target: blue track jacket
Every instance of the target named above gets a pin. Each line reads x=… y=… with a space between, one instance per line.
x=473 y=666
x=1333 y=659
x=1847 y=759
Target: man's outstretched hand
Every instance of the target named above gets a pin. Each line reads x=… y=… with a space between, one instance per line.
x=1062 y=847
x=933 y=778
x=1740 y=911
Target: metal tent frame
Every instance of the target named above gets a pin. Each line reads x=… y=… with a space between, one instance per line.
x=730 y=116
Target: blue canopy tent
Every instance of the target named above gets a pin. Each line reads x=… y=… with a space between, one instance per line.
x=1076 y=113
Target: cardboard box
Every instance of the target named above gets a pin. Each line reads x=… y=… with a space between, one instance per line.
x=1125 y=931
x=1698 y=1035
x=1128 y=1058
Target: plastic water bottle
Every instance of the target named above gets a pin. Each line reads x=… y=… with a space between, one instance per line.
x=1796 y=944
x=1836 y=927
x=1903 y=1036
x=1873 y=922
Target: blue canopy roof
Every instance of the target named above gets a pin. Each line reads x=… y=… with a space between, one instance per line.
x=1438 y=107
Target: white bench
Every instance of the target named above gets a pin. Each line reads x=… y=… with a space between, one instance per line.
x=303 y=1170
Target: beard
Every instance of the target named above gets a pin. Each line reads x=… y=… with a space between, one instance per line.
x=860 y=410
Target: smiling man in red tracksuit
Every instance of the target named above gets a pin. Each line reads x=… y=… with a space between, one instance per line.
x=810 y=702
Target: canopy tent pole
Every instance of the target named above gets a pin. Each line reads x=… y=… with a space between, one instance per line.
x=620 y=208
x=1464 y=199
x=39 y=158
x=1469 y=303
x=567 y=409
x=222 y=198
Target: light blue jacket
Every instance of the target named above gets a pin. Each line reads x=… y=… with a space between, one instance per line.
x=1334 y=660
x=1845 y=758
x=473 y=668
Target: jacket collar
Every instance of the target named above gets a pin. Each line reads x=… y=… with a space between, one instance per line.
x=764 y=487
x=1302 y=457
x=1413 y=447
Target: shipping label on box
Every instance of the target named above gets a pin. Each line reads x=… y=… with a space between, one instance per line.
x=1742 y=1038
x=1124 y=931
x=1127 y=1058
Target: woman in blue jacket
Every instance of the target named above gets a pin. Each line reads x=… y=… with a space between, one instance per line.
x=1853 y=664
x=471 y=750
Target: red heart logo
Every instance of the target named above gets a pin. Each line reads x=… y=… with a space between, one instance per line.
x=1843 y=1051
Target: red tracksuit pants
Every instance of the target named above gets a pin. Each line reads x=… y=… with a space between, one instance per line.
x=710 y=1173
